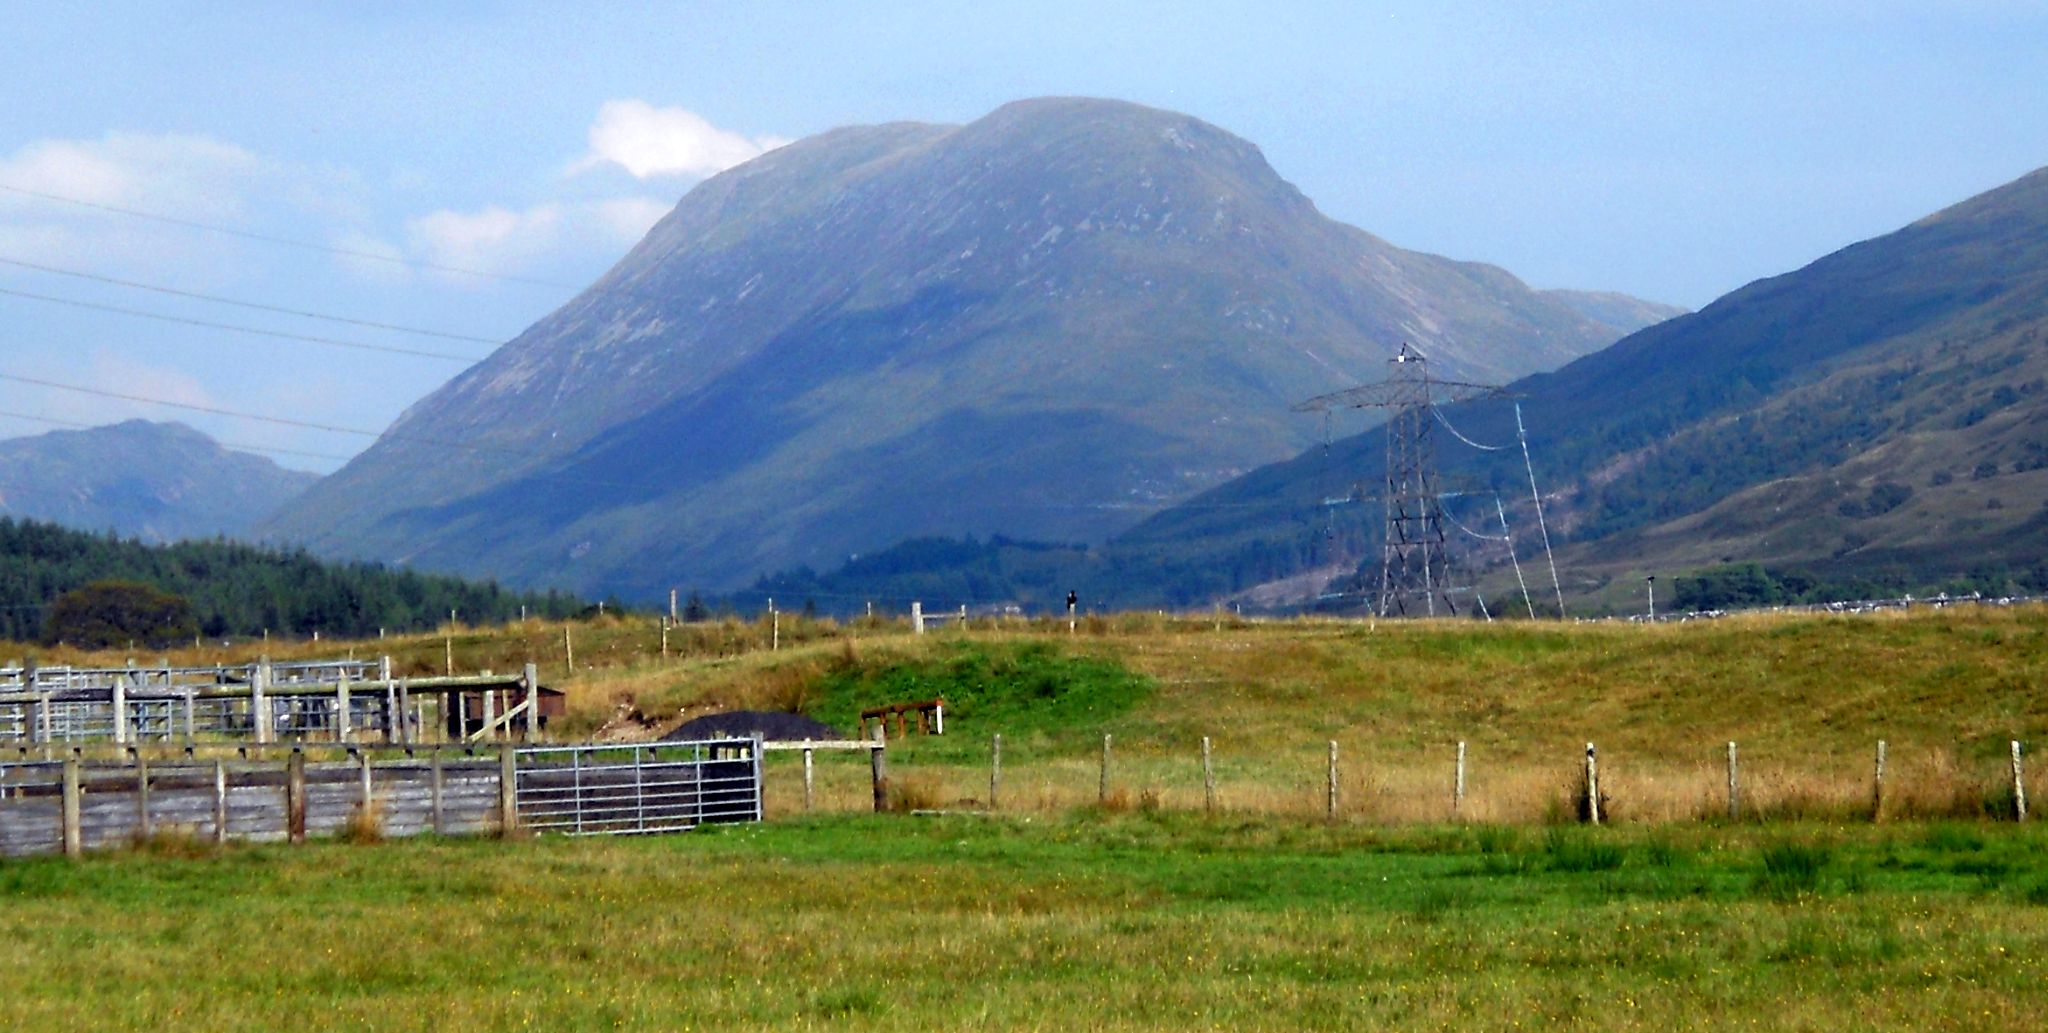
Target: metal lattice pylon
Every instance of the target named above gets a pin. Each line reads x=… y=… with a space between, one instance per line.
x=1415 y=564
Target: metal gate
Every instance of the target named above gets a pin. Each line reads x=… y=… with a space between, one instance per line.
x=637 y=789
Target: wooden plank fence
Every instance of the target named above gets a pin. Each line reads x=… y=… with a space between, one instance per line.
x=245 y=792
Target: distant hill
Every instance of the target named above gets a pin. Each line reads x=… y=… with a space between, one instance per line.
x=1882 y=413
x=1050 y=322
x=1878 y=418
x=159 y=482
x=243 y=590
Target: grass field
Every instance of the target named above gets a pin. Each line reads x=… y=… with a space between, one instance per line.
x=1149 y=913
x=1071 y=922
x=1806 y=697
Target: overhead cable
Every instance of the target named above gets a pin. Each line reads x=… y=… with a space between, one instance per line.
x=231 y=445
x=258 y=306
x=210 y=325
x=1461 y=526
x=1440 y=418
x=287 y=241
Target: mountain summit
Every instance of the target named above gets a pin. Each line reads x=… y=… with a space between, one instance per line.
x=159 y=482
x=1048 y=322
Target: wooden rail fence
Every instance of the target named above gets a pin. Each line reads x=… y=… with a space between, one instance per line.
x=221 y=792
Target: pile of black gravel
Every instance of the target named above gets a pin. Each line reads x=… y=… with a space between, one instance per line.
x=775 y=727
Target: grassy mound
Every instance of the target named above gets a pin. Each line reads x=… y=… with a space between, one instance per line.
x=1023 y=690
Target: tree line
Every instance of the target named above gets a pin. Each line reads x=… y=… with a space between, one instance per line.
x=238 y=590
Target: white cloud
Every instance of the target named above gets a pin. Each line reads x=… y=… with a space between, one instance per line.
x=106 y=370
x=648 y=142
x=500 y=240
x=178 y=176
x=371 y=257
x=629 y=218
x=192 y=176
x=493 y=240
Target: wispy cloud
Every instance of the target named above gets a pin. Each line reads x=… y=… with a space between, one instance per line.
x=501 y=240
x=179 y=175
x=650 y=142
x=195 y=176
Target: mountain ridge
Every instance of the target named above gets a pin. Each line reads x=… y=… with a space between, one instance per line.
x=160 y=482
x=1046 y=322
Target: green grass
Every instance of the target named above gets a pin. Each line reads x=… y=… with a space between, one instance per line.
x=1133 y=922
x=1023 y=689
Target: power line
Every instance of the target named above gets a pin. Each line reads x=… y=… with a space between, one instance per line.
x=259 y=306
x=286 y=241
x=301 y=424
x=235 y=446
x=208 y=324
x=188 y=406
x=466 y=447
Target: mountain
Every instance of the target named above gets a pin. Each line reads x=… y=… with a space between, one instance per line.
x=1049 y=322
x=159 y=482
x=1880 y=414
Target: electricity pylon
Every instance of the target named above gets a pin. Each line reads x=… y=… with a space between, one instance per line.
x=1415 y=565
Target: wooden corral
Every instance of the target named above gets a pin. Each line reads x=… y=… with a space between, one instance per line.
x=930 y=717
x=331 y=701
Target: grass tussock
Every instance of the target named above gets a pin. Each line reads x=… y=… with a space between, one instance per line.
x=179 y=842
x=1792 y=868
x=916 y=792
x=365 y=825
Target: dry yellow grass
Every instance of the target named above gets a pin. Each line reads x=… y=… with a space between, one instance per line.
x=1807 y=697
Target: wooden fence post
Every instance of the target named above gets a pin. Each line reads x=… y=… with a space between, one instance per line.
x=807 y=779
x=569 y=650
x=259 y=701
x=508 y=791
x=1458 y=787
x=2019 y=786
x=917 y=616
x=74 y=840
x=119 y=701
x=295 y=796
x=368 y=797
x=1734 y=785
x=531 y=678
x=1102 y=784
x=220 y=801
x=878 y=767
x=1330 y=805
x=434 y=792
x=343 y=720
x=1208 y=779
x=1592 y=786
x=1877 y=786
x=141 y=795
x=995 y=770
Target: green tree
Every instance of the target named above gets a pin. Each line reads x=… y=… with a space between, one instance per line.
x=111 y=613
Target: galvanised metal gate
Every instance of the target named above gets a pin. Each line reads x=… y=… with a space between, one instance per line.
x=638 y=789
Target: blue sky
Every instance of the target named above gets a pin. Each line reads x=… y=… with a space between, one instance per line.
x=1670 y=151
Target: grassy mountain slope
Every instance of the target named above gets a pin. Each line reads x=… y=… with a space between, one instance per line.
x=1881 y=410
x=1049 y=322
x=156 y=481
